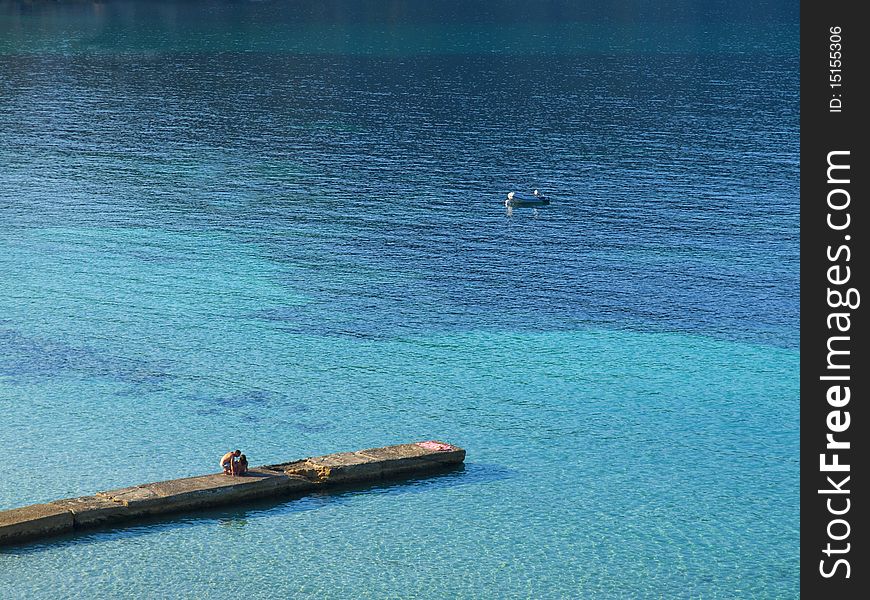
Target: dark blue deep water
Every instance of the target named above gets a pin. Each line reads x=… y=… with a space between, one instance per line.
x=279 y=226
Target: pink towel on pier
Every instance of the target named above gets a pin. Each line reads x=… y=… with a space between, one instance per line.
x=433 y=445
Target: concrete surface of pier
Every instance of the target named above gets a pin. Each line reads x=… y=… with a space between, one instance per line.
x=300 y=476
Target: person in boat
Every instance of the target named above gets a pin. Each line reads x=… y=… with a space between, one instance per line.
x=228 y=461
x=541 y=197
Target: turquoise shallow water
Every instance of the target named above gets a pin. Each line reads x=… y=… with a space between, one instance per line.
x=225 y=224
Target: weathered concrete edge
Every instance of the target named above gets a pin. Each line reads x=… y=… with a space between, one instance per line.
x=296 y=477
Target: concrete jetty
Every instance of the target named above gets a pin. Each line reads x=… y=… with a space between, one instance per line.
x=296 y=477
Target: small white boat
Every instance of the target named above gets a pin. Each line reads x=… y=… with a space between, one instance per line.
x=514 y=200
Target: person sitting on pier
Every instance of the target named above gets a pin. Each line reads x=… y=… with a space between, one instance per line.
x=241 y=466
x=228 y=462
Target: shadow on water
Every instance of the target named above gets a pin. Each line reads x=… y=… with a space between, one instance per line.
x=25 y=358
x=238 y=516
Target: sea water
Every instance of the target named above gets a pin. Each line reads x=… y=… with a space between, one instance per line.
x=280 y=227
